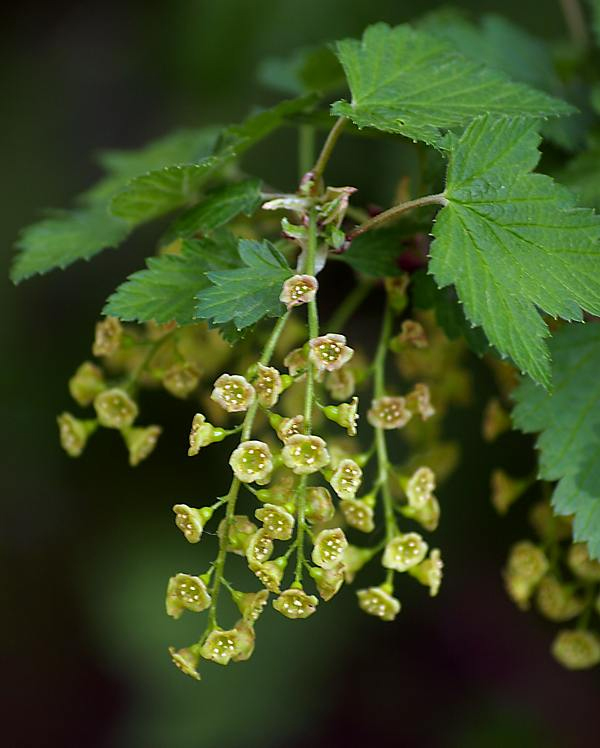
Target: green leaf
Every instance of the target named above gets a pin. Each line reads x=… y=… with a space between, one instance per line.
x=448 y=312
x=306 y=70
x=568 y=419
x=179 y=147
x=377 y=252
x=158 y=192
x=217 y=209
x=63 y=238
x=162 y=191
x=503 y=46
x=582 y=175
x=248 y=294
x=166 y=290
x=412 y=83
x=513 y=242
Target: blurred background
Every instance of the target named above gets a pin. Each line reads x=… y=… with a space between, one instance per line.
x=87 y=546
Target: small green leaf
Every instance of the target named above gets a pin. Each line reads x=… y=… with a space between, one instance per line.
x=448 y=312
x=412 y=83
x=376 y=252
x=248 y=294
x=167 y=289
x=306 y=70
x=513 y=243
x=63 y=238
x=217 y=209
x=568 y=419
x=582 y=175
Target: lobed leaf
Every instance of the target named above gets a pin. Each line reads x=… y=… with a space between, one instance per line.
x=513 y=242
x=568 y=419
x=166 y=290
x=217 y=209
x=245 y=295
x=64 y=237
x=415 y=84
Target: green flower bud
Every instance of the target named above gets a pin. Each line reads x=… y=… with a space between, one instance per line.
x=333 y=206
x=329 y=548
x=296 y=361
x=428 y=516
x=346 y=479
x=556 y=601
x=341 y=383
x=181 y=379
x=107 y=340
x=185 y=592
x=277 y=522
x=404 y=552
x=86 y=383
x=281 y=492
x=233 y=393
x=419 y=401
x=221 y=646
x=419 y=487
x=260 y=547
x=140 y=441
x=429 y=572
x=581 y=564
x=251 y=604
x=299 y=289
x=411 y=334
x=354 y=559
x=74 y=433
x=328 y=581
x=505 y=490
x=396 y=288
x=202 y=434
x=329 y=352
x=495 y=420
x=576 y=649
x=295 y=603
x=377 y=601
x=268 y=385
x=389 y=413
x=270 y=573
x=345 y=415
x=252 y=462
x=305 y=454
x=115 y=409
x=526 y=566
x=358 y=513
x=286 y=427
x=191 y=521
x=235 y=536
x=548 y=525
x=186 y=660
x=319 y=506
x=246 y=639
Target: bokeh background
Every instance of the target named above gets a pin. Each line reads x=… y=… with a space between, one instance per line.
x=86 y=546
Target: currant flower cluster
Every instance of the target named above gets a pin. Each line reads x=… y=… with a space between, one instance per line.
x=131 y=359
x=308 y=490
